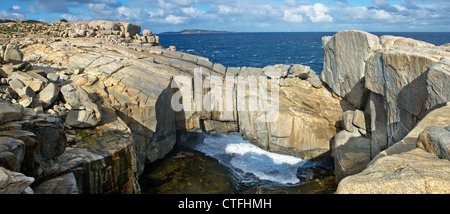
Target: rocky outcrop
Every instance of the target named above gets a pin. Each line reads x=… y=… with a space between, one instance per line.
x=394 y=80
x=404 y=168
x=400 y=74
x=405 y=80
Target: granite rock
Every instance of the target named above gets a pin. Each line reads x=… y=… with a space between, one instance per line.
x=13 y=182
x=345 y=56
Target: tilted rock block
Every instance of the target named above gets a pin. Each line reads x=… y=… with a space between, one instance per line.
x=13 y=182
x=84 y=113
x=10 y=112
x=345 y=55
x=351 y=154
x=435 y=140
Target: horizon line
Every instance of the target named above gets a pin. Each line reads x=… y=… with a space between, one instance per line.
x=231 y=32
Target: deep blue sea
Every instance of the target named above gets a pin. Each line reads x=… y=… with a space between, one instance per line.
x=262 y=49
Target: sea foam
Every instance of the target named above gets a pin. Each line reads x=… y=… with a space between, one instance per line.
x=244 y=157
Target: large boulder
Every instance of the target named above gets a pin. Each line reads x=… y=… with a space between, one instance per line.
x=345 y=56
x=275 y=72
x=104 y=25
x=130 y=28
x=13 y=182
x=48 y=95
x=435 y=140
x=84 y=112
x=12 y=54
x=301 y=71
x=10 y=112
x=64 y=184
x=35 y=81
x=45 y=141
x=11 y=153
x=351 y=153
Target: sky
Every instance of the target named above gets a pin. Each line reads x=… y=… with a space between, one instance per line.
x=245 y=15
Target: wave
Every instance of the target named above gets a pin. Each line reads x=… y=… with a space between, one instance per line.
x=244 y=158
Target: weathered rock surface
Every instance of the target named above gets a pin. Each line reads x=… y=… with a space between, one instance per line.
x=33 y=80
x=48 y=95
x=13 y=182
x=437 y=84
x=404 y=168
x=396 y=81
x=388 y=41
x=351 y=147
x=12 y=54
x=10 y=112
x=104 y=161
x=351 y=153
x=435 y=140
x=11 y=153
x=84 y=112
x=345 y=56
x=402 y=75
x=305 y=123
x=64 y=184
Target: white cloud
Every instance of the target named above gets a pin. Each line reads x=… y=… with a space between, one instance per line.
x=172 y=19
x=249 y=15
x=315 y=13
x=12 y=15
x=16 y=8
x=381 y=14
x=291 y=16
x=124 y=11
x=223 y=9
x=318 y=13
x=157 y=13
x=14 y=12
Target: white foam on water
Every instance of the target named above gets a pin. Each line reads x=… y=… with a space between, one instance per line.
x=239 y=154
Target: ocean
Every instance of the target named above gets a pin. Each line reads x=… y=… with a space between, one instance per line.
x=262 y=49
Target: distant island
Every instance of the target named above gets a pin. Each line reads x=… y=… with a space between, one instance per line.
x=195 y=31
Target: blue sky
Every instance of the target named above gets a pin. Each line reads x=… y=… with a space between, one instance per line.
x=245 y=15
